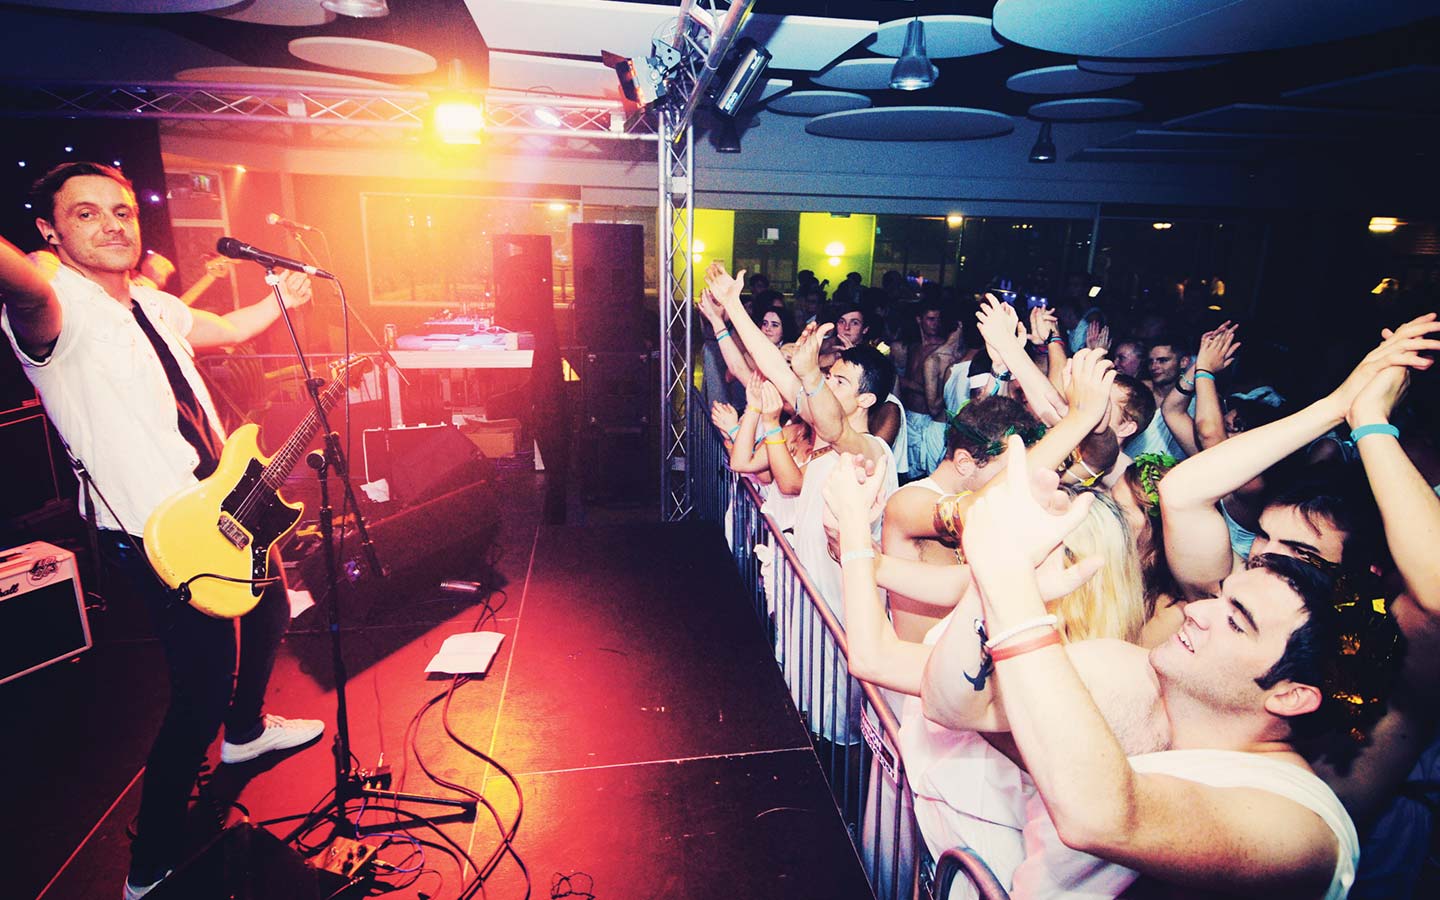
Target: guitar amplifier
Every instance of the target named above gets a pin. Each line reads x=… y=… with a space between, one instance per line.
x=42 y=609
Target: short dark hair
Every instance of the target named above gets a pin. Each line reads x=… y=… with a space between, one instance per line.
x=1341 y=499
x=43 y=191
x=981 y=424
x=1174 y=342
x=1139 y=403
x=1348 y=650
x=877 y=372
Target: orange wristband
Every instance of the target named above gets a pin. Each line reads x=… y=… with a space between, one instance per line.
x=1044 y=640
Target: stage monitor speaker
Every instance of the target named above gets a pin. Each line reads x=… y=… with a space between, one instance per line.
x=609 y=285
x=423 y=461
x=248 y=863
x=524 y=296
x=42 y=609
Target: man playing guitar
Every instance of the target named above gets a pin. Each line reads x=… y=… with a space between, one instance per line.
x=112 y=362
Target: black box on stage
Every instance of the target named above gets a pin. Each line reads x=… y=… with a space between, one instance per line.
x=422 y=461
x=42 y=609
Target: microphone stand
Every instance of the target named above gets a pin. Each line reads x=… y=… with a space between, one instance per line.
x=350 y=784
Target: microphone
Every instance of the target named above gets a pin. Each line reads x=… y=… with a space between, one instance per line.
x=277 y=219
x=229 y=246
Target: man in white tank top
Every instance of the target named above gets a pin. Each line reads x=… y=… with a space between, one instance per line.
x=1232 y=807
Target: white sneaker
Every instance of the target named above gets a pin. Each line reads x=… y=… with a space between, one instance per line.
x=279 y=734
x=135 y=893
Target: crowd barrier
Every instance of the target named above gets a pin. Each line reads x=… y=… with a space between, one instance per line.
x=853 y=728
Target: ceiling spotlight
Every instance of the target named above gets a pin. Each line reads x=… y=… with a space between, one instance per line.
x=726 y=136
x=547 y=116
x=1044 y=149
x=954 y=220
x=358 y=9
x=1384 y=224
x=459 y=114
x=1162 y=226
x=913 y=70
x=751 y=61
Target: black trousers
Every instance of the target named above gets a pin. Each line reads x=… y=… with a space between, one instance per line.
x=207 y=690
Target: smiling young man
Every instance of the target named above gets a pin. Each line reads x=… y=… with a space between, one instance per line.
x=1229 y=805
x=112 y=362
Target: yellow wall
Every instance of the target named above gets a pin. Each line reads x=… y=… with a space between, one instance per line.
x=856 y=232
x=715 y=228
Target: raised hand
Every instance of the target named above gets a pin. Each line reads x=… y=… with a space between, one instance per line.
x=1042 y=325
x=723 y=416
x=1401 y=347
x=1097 y=336
x=855 y=488
x=1088 y=377
x=999 y=324
x=1217 y=349
x=1378 y=399
x=711 y=309
x=753 y=390
x=295 y=289
x=1008 y=525
x=725 y=289
x=771 y=403
x=806 y=360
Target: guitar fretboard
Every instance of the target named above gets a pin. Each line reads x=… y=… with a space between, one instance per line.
x=282 y=462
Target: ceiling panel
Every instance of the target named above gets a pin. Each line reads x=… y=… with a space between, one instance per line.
x=1084 y=109
x=1145 y=28
x=1259 y=118
x=1123 y=155
x=1064 y=80
x=859 y=75
x=946 y=37
x=912 y=123
x=568 y=77
x=817 y=103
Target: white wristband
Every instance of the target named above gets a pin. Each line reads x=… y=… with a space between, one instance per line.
x=850 y=555
x=1039 y=622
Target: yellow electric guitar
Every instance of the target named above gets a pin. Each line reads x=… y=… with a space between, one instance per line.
x=212 y=541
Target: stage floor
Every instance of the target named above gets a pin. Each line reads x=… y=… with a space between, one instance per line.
x=634 y=697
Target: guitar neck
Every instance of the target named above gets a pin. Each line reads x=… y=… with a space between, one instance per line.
x=284 y=461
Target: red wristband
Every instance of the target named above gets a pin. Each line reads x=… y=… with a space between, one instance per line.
x=1044 y=640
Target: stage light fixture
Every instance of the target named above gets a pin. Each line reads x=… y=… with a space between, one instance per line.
x=1044 y=149
x=459 y=114
x=834 y=248
x=547 y=116
x=913 y=70
x=751 y=62
x=727 y=136
x=357 y=9
x=954 y=220
x=1384 y=224
x=643 y=81
x=1162 y=226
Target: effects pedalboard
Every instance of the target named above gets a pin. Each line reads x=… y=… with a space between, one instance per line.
x=345 y=857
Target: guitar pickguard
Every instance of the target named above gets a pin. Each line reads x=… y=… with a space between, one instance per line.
x=261 y=518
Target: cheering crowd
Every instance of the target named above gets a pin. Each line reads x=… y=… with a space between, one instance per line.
x=1145 y=625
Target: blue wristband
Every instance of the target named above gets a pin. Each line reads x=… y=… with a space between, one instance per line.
x=722 y=335
x=1204 y=374
x=733 y=431
x=1380 y=428
x=771 y=433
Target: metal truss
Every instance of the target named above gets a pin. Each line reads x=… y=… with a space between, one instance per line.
x=677 y=288
x=328 y=114
x=703 y=33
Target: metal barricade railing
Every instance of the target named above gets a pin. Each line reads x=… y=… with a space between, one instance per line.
x=853 y=727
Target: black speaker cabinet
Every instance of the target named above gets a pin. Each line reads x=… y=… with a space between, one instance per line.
x=248 y=863
x=609 y=285
x=524 y=296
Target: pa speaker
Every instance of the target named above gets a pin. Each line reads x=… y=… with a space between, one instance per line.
x=609 y=285
x=524 y=297
x=423 y=461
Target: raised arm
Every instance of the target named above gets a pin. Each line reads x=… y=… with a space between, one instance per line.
x=788 y=477
x=1217 y=352
x=1087 y=387
x=874 y=652
x=29 y=302
x=1163 y=826
x=1005 y=336
x=728 y=343
x=767 y=356
x=1197 y=543
x=819 y=407
x=210 y=330
x=743 y=452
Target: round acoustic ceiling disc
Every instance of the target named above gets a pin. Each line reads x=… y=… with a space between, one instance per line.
x=859 y=75
x=1145 y=29
x=946 y=37
x=912 y=123
x=1063 y=80
x=277 y=12
x=361 y=55
x=817 y=103
x=265 y=75
x=1084 y=109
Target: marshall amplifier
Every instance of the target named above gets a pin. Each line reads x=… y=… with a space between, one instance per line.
x=42 y=609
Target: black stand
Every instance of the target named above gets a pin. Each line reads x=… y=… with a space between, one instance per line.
x=349 y=784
